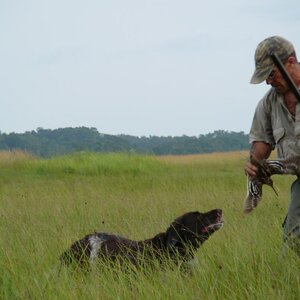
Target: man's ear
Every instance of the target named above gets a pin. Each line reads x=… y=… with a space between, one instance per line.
x=173 y=234
x=292 y=60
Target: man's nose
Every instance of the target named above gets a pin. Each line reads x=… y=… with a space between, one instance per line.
x=269 y=80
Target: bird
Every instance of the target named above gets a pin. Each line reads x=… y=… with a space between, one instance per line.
x=265 y=169
x=254 y=184
x=288 y=166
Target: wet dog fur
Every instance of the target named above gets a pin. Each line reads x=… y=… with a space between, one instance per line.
x=179 y=242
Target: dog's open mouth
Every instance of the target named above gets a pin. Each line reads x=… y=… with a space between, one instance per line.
x=216 y=225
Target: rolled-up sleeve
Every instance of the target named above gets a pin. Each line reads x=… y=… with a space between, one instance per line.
x=261 y=129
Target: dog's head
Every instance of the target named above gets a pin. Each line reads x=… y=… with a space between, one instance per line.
x=193 y=228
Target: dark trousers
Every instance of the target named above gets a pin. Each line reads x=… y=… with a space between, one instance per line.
x=291 y=226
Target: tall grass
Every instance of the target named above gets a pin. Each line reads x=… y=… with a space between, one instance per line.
x=47 y=204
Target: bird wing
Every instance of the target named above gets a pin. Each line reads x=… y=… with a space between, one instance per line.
x=254 y=194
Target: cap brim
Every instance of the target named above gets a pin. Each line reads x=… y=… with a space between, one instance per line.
x=261 y=74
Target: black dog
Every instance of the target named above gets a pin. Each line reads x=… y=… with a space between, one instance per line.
x=183 y=237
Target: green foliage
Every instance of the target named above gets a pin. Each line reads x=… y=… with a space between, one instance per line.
x=46 y=204
x=47 y=143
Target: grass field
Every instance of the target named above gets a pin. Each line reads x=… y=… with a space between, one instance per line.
x=45 y=205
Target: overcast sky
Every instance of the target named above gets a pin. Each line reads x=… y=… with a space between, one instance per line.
x=139 y=67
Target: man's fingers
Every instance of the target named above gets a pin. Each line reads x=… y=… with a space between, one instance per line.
x=250 y=169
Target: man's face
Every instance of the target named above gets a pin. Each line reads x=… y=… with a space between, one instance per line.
x=276 y=80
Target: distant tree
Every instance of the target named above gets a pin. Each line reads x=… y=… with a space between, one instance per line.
x=46 y=142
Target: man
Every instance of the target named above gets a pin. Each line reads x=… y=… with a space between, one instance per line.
x=276 y=121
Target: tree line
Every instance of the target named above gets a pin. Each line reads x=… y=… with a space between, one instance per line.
x=47 y=142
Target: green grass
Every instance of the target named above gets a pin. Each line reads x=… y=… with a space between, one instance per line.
x=45 y=205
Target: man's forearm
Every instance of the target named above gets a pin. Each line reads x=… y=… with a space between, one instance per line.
x=260 y=150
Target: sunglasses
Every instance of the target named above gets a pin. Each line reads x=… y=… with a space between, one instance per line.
x=272 y=75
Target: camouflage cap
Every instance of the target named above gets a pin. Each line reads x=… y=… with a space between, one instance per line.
x=263 y=62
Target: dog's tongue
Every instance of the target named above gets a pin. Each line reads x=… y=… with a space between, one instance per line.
x=205 y=229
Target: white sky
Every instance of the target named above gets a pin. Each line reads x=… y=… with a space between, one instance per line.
x=139 y=67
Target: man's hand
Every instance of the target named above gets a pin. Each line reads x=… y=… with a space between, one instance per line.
x=258 y=152
x=250 y=169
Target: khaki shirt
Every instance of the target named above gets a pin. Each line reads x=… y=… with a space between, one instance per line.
x=274 y=124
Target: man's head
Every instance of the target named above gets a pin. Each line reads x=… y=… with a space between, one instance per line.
x=264 y=66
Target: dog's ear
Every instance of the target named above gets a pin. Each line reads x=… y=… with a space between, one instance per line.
x=173 y=235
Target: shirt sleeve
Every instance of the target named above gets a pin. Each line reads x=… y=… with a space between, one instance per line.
x=261 y=129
